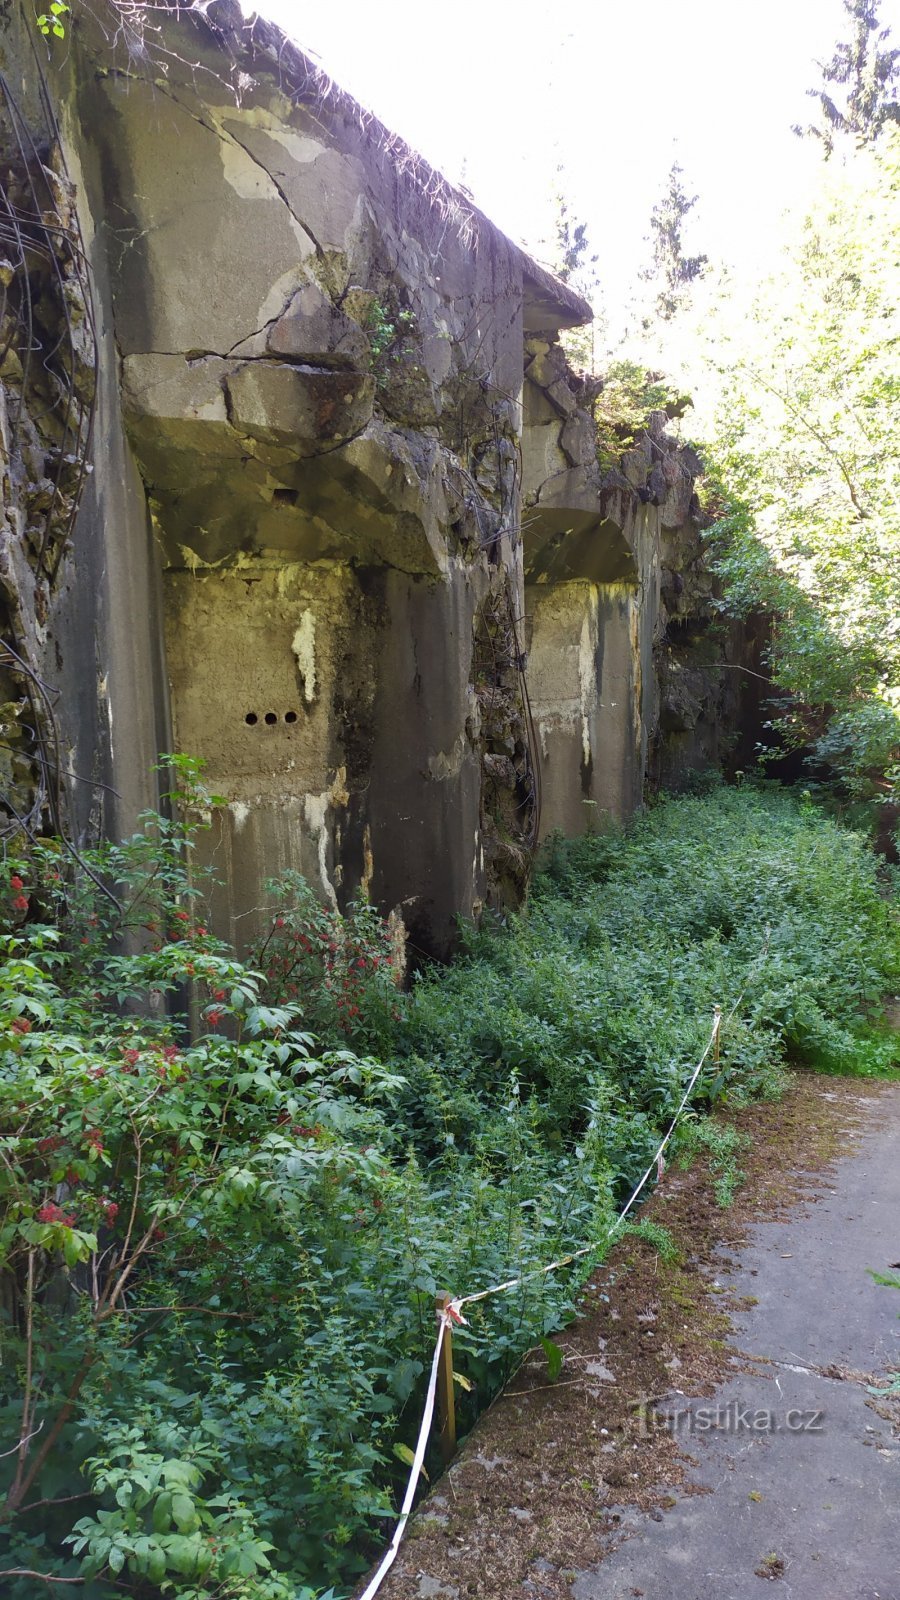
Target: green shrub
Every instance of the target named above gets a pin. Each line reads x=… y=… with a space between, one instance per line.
x=340 y=964
x=236 y=1193
x=221 y=1239
x=608 y=983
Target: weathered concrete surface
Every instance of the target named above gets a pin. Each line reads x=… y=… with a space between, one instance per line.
x=630 y=675
x=307 y=352
x=322 y=353
x=823 y=1504
x=339 y=525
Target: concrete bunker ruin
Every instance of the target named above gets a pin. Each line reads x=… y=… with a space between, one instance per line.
x=346 y=535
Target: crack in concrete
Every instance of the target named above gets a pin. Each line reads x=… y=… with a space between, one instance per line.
x=280 y=192
x=272 y=355
x=234 y=142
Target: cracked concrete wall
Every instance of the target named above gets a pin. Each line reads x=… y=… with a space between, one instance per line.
x=338 y=457
x=582 y=671
x=79 y=573
x=634 y=678
x=320 y=351
x=591 y=596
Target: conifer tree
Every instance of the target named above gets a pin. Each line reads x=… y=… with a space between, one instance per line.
x=576 y=265
x=858 y=94
x=671 y=271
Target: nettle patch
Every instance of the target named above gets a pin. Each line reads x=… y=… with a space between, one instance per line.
x=230 y=1190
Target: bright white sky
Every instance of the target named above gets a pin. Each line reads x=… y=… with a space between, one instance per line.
x=500 y=95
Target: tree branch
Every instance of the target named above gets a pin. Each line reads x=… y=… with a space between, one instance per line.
x=827 y=446
x=43 y=1577
x=20 y=1487
x=27 y=1432
x=61 y=1500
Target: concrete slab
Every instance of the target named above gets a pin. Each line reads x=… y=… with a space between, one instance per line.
x=797 y=1478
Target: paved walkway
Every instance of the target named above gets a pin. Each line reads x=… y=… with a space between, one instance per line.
x=794 y=1474
x=815 y=1511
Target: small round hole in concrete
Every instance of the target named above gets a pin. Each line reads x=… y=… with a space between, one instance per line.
x=251 y=719
x=271 y=718
x=290 y=716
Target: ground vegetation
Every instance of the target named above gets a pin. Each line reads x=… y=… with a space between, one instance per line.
x=230 y=1189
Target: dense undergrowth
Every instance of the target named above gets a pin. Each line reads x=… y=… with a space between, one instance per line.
x=230 y=1191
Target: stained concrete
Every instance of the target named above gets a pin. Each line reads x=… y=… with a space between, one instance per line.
x=322 y=352
x=333 y=408
x=824 y=1503
x=631 y=675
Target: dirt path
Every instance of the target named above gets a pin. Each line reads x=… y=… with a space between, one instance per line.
x=711 y=1430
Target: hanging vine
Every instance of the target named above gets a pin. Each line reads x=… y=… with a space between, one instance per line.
x=48 y=382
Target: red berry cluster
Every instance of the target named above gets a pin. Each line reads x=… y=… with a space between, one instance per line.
x=103 y=1206
x=182 y=927
x=328 y=961
x=164 y=1056
x=49 y=1212
x=18 y=899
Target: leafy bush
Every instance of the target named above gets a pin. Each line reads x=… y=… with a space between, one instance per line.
x=221 y=1239
x=229 y=1193
x=622 y=408
x=601 y=998
x=342 y=964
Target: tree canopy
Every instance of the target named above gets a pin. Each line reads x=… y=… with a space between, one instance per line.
x=808 y=458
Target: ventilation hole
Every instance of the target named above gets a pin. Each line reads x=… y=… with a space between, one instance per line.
x=270 y=718
x=290 y=716
x=251 y=719
x=285 y=497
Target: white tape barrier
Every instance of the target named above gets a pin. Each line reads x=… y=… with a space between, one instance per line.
x=452 y=1312
x=418 y=1458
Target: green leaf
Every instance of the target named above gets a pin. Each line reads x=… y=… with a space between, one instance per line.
x=184 y=1512
x=555 y=1358
x=156 y=1564
x=406 y=1455
x=183 y=1552
x=884 y=1279
x=162 y=1513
